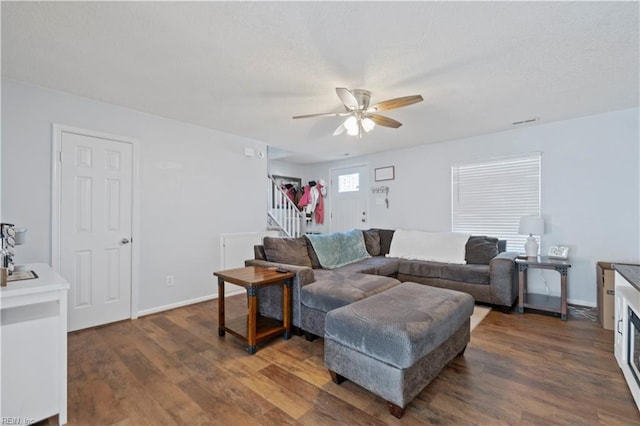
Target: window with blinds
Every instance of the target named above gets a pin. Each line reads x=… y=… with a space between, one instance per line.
x=489 y=197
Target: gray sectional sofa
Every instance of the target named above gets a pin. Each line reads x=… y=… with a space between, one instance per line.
x=489 y=275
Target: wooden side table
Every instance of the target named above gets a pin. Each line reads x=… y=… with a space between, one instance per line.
x=253 y=328
x=543 y=302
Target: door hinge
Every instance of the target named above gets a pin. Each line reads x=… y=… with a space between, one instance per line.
x=60 y=156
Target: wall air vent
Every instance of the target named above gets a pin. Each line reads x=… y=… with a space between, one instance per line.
x=528 y=120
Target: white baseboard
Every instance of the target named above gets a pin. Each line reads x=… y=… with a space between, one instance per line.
x=163 y=308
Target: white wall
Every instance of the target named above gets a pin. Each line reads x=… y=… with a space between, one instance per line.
x=590 y=189
x=195 y=184
x=282 y=168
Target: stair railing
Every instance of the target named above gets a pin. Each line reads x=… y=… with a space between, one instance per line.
x=283 y=212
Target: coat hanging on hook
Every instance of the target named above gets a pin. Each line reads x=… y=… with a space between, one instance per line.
x=312 y=201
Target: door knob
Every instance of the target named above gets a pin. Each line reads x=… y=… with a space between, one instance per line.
x=125 y=241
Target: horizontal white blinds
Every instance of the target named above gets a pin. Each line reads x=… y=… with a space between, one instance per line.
x=489 y=197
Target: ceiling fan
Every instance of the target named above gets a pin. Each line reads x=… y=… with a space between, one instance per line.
x=360 y=116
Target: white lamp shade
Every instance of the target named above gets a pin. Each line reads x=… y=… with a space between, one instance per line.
x=351 y=124
x=368 y=124
x=531 y=225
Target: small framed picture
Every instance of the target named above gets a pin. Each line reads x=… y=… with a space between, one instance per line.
x=558 y=252
x=385 y=173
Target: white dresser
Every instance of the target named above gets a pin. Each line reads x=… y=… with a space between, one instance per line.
x=33 y=336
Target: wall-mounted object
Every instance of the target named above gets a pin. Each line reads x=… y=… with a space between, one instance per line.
x=382 y=190
x=385 y=173
x=253 y=153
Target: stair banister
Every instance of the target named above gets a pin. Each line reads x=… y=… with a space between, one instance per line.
x=282 y=211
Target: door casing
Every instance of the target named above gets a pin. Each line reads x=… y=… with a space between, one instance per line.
x=57 y=131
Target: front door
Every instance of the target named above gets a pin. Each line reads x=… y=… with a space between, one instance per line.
x=349 y=198
x=95 y=215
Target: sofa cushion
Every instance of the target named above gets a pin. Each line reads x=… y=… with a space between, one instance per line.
x=339 y=248
x=292 y=251
x=376 y=265
x=421 y=268
x=372 y=241
x=386 y=236
x=472 y=274
x=481 y=249
x=333 y=290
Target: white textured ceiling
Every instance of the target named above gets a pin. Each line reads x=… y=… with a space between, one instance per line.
x=247 y=68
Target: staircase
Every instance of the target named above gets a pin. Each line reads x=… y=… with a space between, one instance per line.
x=283 y=215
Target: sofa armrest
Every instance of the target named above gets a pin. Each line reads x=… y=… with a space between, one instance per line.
x=270 y=297
x=258 y=252
x=510 y=256
x=503 y=278
x=304 y=274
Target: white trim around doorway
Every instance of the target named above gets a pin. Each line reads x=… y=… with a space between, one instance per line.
x=56 y=141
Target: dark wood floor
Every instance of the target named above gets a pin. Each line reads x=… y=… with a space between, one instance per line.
x=172 y=368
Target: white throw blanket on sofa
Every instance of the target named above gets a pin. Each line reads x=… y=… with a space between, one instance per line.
x=447 y=247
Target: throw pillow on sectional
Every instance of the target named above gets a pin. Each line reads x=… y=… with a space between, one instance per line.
x=386 y=235
x=292 y=251
x=481 y=249
x=372 y=241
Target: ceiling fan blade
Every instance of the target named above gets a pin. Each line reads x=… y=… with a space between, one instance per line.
x=396 y=103
x=340 y=130
x=347 y=98
x=323 y=114
x=381 y=120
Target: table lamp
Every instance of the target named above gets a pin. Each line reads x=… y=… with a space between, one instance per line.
x=531 y=225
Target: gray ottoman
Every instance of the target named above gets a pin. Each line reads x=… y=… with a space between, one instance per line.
x=395 y=342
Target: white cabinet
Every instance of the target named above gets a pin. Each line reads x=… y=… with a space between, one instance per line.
x=33 y=354
x=627 y=297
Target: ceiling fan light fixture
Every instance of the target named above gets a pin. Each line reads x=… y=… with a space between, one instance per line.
x=351 y=124
x=368 y=124
x=362 y=118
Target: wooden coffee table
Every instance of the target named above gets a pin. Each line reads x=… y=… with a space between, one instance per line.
x=253 y=328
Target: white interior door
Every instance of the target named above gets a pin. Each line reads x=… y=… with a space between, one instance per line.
x=349 y=194
x=95 y=205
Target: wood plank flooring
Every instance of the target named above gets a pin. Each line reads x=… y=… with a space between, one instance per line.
x=172 y=368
